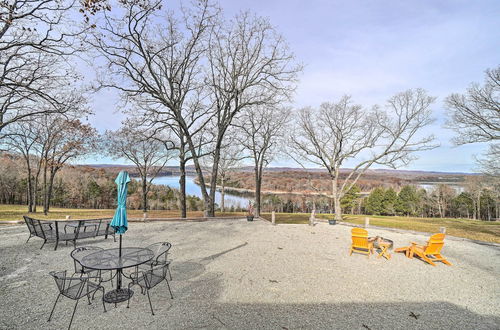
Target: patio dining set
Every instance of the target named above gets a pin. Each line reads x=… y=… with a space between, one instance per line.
x=94 y=266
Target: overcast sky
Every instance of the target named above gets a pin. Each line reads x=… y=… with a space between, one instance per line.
x=372 y=50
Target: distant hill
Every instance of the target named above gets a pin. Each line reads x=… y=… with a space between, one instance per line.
x=287 y=178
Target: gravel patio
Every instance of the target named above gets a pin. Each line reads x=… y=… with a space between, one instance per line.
x=245 y=275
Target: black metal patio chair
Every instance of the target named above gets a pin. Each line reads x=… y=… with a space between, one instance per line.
x=160 y=250
x=77 y=255
x=149 y=279
x=74 y=288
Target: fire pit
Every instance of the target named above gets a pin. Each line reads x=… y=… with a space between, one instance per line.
x=377 y=241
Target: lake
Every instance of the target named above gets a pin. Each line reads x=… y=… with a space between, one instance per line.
x=193 y=189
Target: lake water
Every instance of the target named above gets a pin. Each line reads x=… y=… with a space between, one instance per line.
x=193 y=189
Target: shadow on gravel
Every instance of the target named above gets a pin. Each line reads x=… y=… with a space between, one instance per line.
x=216 y=255
x=404 y=315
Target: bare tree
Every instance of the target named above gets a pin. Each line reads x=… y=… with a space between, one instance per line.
x=155 y=56
x=231 y=155
x=262 y=128
x=343 y=131
x=21 y=139
x=36 y=38
x=489 y=162
x=66 y=140
x=148 y=155
x=249 y=65
x=165 y=63
x=475 y=116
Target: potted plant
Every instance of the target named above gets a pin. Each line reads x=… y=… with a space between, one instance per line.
x=250 y=212
x=332 y=221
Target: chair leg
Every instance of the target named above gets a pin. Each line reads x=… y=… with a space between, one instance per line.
x=150 y=305
x=169 y=273
x=443 y=260
x=128 y=300
x=29 y=239
x=103 y=304
x=72 y=315
x=54 y=307
x=171 y=296
x=425 y=258
x=57 y=243
x=44 y=241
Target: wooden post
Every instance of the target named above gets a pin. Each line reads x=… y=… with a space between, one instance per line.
x=273 y=218
x=312 y=218
x=68 y=217
x=367 y=222
x=442 y=230
x=144 y=216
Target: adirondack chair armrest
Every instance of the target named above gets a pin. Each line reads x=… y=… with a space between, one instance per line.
x=416 y=246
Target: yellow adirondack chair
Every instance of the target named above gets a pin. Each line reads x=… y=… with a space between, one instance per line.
x=429 y=253
x=360 y=242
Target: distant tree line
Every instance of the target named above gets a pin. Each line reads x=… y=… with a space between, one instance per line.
x=442 y=201
x=478 y=200
x=84 y=187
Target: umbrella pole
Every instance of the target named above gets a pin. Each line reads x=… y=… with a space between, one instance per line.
x=119 y=271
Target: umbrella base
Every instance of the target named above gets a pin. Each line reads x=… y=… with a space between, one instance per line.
x=118 y=295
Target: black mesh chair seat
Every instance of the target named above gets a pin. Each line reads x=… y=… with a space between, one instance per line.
x=78 y=254
x=76 y=291
x=74 y=288
x=149 y=279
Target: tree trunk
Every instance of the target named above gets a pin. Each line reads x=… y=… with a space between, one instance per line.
x=222 y=193
x=479 y=206
x=182 y=185
x=45 y=190
x=49 y=191
x=213 y=181
x=208 y=206
x=30 y=189
x=144 y=194
x=35 y=191
x=336 y=200
x=258 y=184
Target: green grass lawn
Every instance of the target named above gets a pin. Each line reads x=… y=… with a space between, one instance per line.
x=472 y=229
x=16 y=212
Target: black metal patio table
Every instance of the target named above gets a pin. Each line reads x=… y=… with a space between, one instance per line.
x=111 y=259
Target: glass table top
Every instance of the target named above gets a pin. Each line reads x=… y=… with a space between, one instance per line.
x=109 y=259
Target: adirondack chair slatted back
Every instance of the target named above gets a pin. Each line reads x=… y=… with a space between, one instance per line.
x=359 y=238
x=435 y=244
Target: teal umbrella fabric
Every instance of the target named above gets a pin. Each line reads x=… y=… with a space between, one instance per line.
x=119 y=222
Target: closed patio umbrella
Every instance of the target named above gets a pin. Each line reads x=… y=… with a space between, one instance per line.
x=119 y=222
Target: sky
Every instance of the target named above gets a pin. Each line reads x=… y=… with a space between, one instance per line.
x=372 y=50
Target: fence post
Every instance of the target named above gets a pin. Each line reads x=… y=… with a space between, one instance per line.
x=312 y=218
x=367 y=222
x=273 y=218
x=442 y=230
x=68 y=217
x=144 y=216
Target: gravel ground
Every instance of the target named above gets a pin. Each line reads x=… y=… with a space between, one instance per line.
x=252 y=275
